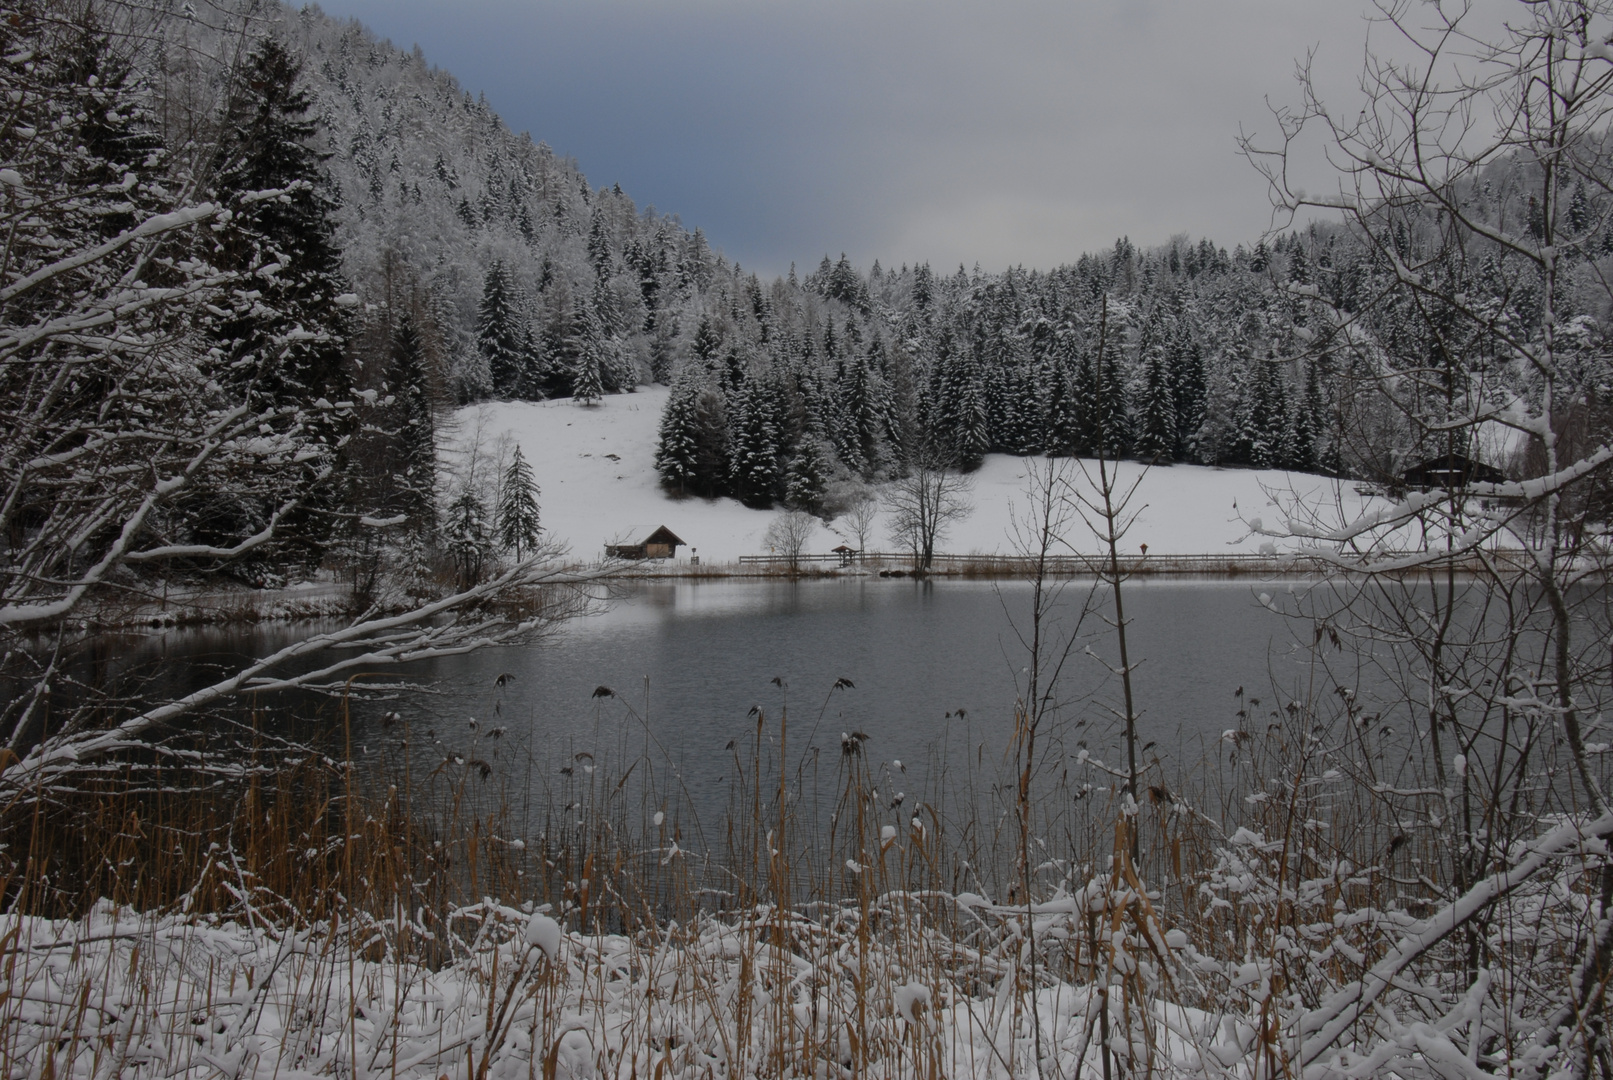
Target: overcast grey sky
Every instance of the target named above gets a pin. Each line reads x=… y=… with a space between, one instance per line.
x=1018 y=131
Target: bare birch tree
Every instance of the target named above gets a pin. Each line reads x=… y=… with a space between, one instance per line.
x=922 y=505
x=788 y=533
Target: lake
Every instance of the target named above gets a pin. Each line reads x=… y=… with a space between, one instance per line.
x=670 y=674
x=933 y=668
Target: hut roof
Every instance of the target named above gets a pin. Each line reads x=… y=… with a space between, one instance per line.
x=664 y=535
x=1451 y=470
x=844 y=549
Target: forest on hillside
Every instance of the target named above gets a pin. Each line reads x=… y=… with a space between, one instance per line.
x=416 y=255
x=258 y=249
x=1303 y=353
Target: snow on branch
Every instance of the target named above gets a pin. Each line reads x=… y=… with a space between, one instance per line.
x=389 y=640
x=156 y=225
x=1320 y=1028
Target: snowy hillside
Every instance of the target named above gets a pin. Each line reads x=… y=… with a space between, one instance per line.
x=595 y=465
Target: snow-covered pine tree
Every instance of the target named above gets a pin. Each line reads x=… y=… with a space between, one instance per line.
x=285 y=328
x=501 y=333
x=857 y=435
x=1240 y=371
x=79 y=122
x=1580 y=217
x=663 y=348
x=1265 y=431
x=1109 y=422
x=1027 y=427
x=412 y=386
x=535 y=365
x=972 y=437
x=1084 y=383
x=1309 y=418
x=112 y=127
x=806 y=478
x=284 y=332
x=1062 y=434
x=961 y=431
x=1001 y=356
x=561 y=342
x=468 y=542
x=893 y=403
x=756 y=476
x=593 y=358
x=712 y=472
x=707 y=343
x=1156 y=411
x=1187 y=390
x=604 y=319
x=994 y=363
x=677 y=448
x=599 y=248
x=518 y=506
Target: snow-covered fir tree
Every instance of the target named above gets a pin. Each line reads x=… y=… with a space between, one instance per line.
x=755 y=463
x=678 y=445
x=502 y=340
x=1156 y=420
x=593 y=360
x=467 y=536
x=418 y=424
x=806 y=476
x=518 y=521
x=268 y=145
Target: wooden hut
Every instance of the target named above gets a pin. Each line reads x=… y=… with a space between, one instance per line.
x=663 y=543
x=1450 y=472
x=846 y=551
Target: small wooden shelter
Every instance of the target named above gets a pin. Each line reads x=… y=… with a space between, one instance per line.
x=1449 y=472
x=846 y=551
x=663 y=543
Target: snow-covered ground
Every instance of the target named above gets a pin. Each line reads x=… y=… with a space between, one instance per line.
x=944 y=985
x=596 y=466
x=120 y=994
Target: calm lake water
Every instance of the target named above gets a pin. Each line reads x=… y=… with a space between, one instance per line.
x=933 y=669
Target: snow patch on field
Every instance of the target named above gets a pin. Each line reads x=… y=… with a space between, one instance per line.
x=596 y=467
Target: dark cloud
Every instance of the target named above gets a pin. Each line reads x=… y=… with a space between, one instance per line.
x=1011 y=132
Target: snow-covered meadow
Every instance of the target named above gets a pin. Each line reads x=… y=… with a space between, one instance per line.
x=596 y=467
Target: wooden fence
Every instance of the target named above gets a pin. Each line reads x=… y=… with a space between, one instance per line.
x=1081 y=565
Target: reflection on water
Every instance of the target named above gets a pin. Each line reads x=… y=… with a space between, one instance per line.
x=933 y=669
x=673 y=675
x=933 y=666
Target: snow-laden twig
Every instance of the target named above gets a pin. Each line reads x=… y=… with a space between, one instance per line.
x=380 y=641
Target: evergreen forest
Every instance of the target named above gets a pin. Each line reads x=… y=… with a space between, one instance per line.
x=327 y=240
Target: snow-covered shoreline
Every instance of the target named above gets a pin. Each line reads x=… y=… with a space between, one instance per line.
x=596 y=467
x=892 y=980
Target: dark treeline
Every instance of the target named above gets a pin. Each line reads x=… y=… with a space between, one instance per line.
x=1298 y=353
